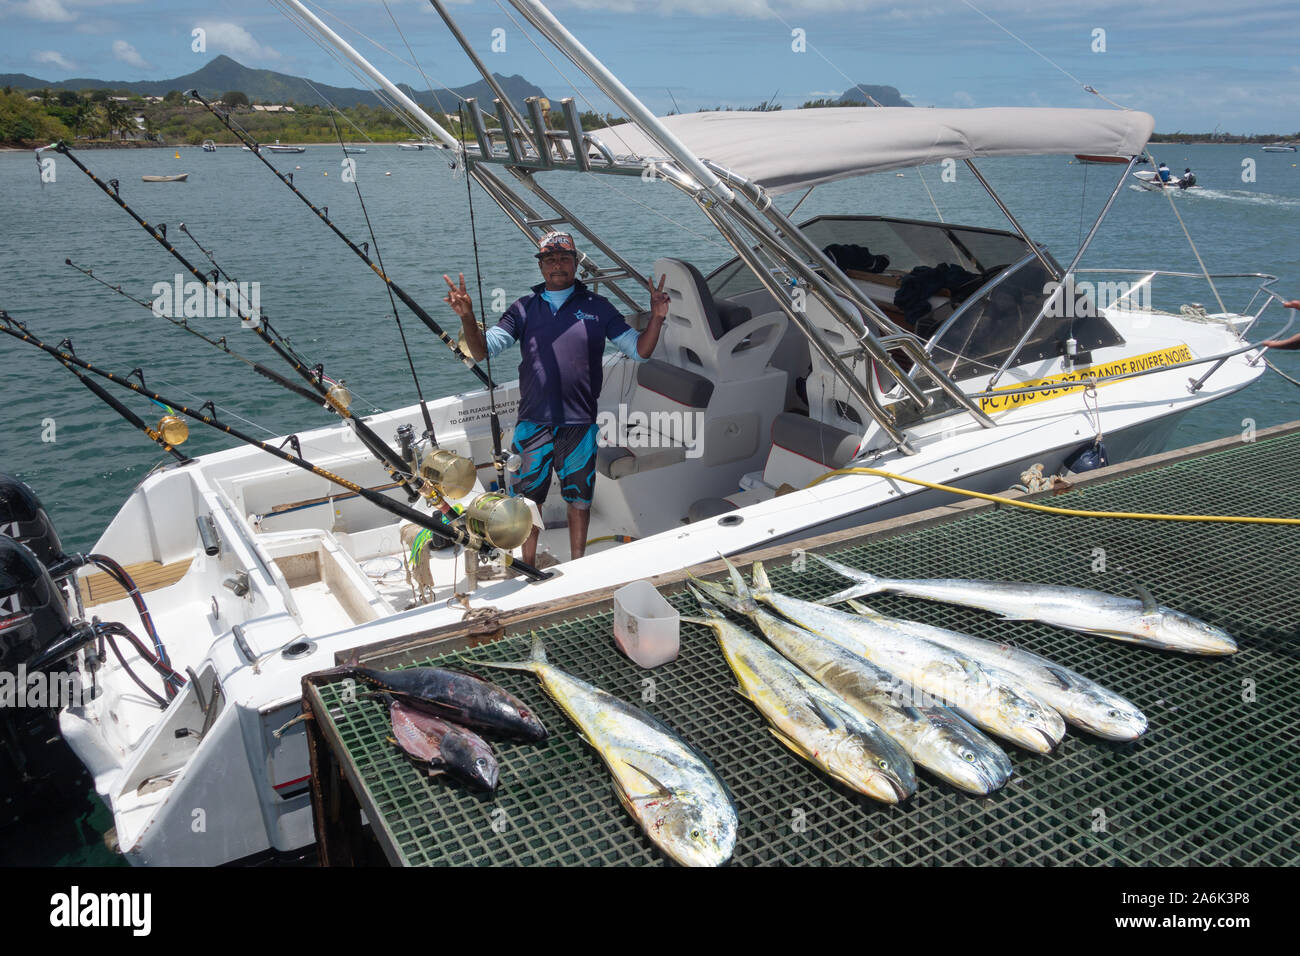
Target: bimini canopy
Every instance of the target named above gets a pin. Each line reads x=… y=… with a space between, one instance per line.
x=792 y=149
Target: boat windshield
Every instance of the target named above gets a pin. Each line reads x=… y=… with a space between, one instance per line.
x=981 y=335
x=907 y=243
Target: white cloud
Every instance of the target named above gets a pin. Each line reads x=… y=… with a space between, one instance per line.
x=235 y=40
x=51 y=11
x=127 y=54
x=54 y=58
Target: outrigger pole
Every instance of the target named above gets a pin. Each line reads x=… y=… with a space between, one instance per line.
x=323 y=216
x=377 y=446
x=448 y=534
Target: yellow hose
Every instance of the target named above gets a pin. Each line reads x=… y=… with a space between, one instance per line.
x=1048 y=509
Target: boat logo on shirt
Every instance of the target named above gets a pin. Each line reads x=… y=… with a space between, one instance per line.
x=586 y=316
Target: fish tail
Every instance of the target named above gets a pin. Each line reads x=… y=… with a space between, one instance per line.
x=744 y=599
x=758 y=575
x=718 y=593
x=536 y=659
x=711 y=611
x=866 y=583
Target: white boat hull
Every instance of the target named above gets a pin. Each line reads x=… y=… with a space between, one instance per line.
x=239 y=791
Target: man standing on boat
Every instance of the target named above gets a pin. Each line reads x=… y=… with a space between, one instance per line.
x=561 y=328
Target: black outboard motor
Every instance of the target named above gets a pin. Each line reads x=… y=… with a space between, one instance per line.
x=23 y=518
x=35 y=627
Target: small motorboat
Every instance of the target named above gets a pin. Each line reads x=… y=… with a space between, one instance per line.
x=209 y=146
x=410 y=145
x=1150 y=180
x=178 y=178
x=277 y=148
x=352 y=150
x=1279 y=148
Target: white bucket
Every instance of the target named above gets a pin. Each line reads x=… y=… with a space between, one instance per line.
x=646 y=627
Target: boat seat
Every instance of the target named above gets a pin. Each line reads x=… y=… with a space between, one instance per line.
x=676 y=384
x=803 y=448
x=620 y=461
x=715 y=337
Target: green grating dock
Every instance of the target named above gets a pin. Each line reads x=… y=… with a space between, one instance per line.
x=1215 y=781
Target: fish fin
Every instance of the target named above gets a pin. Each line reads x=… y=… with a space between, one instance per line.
x=758 y=575
x=831 y=719
x=789 y=743
x=660 y=790
x=860 y=608
x=1059 y=674
x=740 y=689
x=1149 y=605
x=539 y=650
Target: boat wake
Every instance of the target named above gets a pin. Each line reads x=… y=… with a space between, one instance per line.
x=1233 y=195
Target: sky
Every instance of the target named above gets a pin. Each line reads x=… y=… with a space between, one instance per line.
x=1196 y=65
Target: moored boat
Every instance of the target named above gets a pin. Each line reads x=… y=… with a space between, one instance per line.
x=177 y=178
x=780 y=377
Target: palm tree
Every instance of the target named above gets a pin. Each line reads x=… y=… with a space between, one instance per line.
x=117 y=116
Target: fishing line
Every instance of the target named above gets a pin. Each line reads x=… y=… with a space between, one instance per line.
x=323 y=215
x=424 y=407
x=498 y=456
x=1028 y=46
x=450 y=533
x=378 y=447
x=613 y=128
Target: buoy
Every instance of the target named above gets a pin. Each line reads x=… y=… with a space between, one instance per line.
x=178 y=156
x=389 y=174
x=326 y=174
x=297 y=167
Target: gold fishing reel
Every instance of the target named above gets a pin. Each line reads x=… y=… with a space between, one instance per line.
x=504 y=522
x=173 y=429
x=339 y=396
x=451 y=474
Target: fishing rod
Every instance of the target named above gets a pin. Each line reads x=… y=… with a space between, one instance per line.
x=220 y=343
x=376 y=445
x=323 y=215
x=167 y=426
x=447 y=534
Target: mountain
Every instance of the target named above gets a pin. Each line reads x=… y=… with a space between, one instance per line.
x=222 y=75
x=884 y=95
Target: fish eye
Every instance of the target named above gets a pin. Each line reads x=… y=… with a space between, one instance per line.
x=481 y=762
x=967 y=756
x=1112 y=713
x=883 y=764
x=696 y=834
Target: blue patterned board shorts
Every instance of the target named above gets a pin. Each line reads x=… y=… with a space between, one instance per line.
x=568 y=450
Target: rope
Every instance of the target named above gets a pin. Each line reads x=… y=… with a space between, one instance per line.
x=1048 y=509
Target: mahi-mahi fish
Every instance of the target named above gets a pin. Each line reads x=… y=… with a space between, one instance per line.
x=986 y=696
x=1135 y=621
x=663 y=782
x=810 y=720
x=932 y=735
x=1082 y=702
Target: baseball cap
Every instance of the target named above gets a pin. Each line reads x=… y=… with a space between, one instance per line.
x=557 y=242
